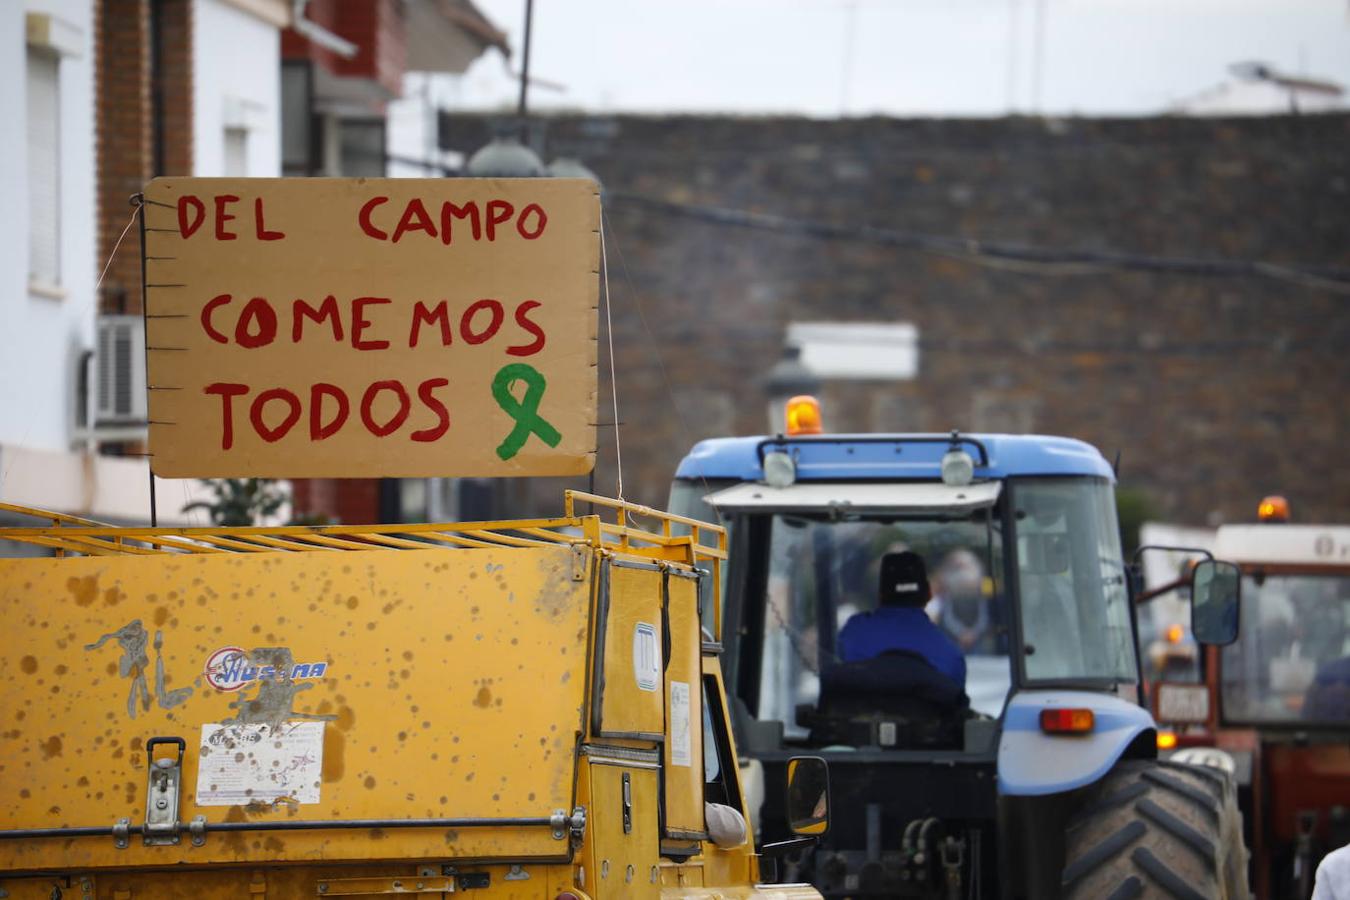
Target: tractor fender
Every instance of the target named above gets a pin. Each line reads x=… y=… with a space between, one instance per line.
x=1032 y=763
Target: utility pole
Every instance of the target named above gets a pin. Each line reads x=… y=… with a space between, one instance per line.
x=523 y=108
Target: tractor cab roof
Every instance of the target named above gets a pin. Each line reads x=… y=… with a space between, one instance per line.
x=1280 y=544
x=894 y=456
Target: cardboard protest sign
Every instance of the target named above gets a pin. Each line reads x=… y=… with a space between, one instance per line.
x=318 y=327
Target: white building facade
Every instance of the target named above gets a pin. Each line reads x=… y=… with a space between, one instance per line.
x=49 y=254
x=47 y=239
x=236 y=88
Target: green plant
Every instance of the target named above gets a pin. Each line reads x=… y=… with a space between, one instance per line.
x=240 y=501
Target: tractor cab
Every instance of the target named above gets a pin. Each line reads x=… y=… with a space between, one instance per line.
x=1019 y=580
x=947 y=620
x=1273 y=707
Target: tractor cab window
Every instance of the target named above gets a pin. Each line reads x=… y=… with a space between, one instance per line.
x=686 y=499
x=1291 y=662
x=1071 y=582
x=923 y=592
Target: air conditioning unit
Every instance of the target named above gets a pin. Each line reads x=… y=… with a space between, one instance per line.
x=118 y=394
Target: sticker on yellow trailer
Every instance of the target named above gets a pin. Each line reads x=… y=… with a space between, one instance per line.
x=242 y=764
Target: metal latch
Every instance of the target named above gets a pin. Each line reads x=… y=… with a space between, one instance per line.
x=627 y=804
x=161 y=795
x=578 y=823
x=563 y=823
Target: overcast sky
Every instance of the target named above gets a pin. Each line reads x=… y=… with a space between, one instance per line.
x=926 y=57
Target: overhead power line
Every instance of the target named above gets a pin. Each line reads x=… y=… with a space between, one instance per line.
x=1019 y=258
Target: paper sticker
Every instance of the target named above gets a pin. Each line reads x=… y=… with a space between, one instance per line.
x=242 y=764
x=646 y=657
x=679 y=724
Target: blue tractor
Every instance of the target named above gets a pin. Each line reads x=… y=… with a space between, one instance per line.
x=949 y=622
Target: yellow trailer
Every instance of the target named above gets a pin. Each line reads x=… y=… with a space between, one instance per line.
x=522 y=709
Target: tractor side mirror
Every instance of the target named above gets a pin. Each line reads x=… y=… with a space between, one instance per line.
x=1216 y=588
x=808 y=812
x=808 y=796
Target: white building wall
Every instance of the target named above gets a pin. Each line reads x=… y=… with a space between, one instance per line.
x=43 y=333
x=411 y=123
x=236 y=85
x=43 y=461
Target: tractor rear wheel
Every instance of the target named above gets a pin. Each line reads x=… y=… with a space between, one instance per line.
x=1157 y=830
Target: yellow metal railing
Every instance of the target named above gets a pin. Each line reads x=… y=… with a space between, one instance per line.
x=634 y=529
x=703 y=543
x=706 y=543
x=72 y=535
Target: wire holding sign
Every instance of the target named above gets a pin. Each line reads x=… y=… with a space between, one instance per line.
x=338 y=328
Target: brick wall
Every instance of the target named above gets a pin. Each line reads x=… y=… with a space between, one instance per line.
x=175 y=85
x=1214 y=390
x=126 y=129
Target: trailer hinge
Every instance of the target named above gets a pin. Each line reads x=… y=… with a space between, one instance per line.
x=581 y=558
x=161 y=795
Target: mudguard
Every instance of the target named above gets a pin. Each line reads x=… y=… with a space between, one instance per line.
x=1032 y=763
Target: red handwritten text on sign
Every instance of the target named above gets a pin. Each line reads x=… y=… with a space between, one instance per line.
x=381 y=315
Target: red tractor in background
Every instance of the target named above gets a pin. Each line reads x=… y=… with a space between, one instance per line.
x=1273 y=708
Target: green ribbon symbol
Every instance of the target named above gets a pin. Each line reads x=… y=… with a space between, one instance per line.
x=526 y=411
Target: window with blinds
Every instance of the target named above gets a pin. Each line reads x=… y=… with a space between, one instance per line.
x=44 y=166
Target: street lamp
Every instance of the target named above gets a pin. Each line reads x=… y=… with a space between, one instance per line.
x=571 y=167
x=508 y=157
x=789 y=377
x=504 y=157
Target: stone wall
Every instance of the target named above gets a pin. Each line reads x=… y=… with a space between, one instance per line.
x=1214 y=390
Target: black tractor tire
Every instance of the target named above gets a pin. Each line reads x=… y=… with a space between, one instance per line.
x=1154 y=829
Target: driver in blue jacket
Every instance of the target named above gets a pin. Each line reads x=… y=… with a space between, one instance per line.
x=899 y=621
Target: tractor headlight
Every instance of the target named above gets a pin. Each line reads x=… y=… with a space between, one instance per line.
x=957 y=468
x=779 y=469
